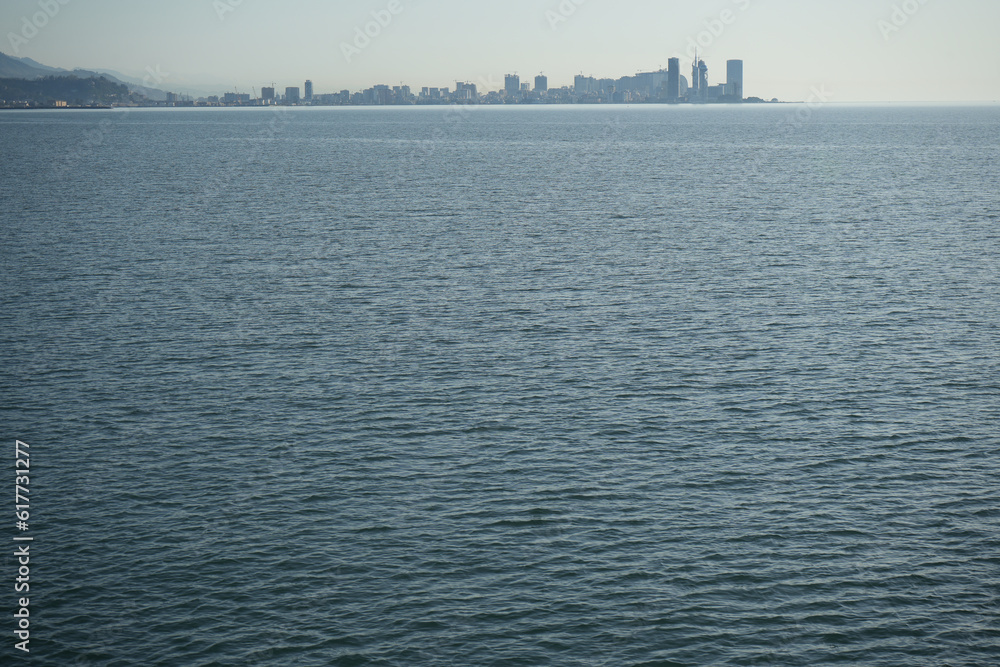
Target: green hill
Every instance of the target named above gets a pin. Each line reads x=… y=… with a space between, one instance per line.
x=70 y=89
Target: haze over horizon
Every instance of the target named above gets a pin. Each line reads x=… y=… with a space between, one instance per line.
x=857 y=50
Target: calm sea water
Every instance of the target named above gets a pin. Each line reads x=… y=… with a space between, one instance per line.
x=531 y=386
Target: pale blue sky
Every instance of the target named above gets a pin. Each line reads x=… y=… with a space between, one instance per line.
x=943 y=50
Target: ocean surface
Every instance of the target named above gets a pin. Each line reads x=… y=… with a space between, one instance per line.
x=505 y=386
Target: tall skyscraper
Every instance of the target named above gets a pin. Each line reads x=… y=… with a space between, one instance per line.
x=512 y=85
x=292 y=95
x=695 y=79
x=673 y=79
x=734 y=78
x=541 y=83
x=309 y=91
x=267 y=94
x=702 y=79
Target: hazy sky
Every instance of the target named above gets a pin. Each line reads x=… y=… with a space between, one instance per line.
x=855 y=50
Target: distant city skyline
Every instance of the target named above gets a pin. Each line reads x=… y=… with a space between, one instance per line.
x=858 y=50
x=666 y=86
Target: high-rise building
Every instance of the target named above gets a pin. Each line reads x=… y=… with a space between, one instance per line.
x=466 y=91
x=236 y=98
x=584 y=85
x=292 y=95
x=673 y=79
x=649 y=85
x=541 y=83
x=702 y=79
x=267 y=94
x=309 y=91
x=734 y=78
x=512 y=85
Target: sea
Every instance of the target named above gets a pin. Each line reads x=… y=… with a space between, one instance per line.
x=503 y=386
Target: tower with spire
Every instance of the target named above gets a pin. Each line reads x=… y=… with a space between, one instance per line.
x=694 y=77
x=699 y=80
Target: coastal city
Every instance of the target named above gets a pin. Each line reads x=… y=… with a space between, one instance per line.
x=664 y=86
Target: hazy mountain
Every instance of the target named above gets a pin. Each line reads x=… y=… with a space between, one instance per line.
x=22 y=68
x=134 y=84
x=118 y=75
x=26 y=68
x=38 y=65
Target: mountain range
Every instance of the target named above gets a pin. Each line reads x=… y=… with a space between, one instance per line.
x=26 y=68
